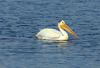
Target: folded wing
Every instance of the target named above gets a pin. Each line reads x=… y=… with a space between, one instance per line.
x=48 y=34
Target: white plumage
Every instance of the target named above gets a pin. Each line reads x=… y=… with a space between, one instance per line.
x=52 y=34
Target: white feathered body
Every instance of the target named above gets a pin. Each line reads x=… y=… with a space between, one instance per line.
x=52 y=34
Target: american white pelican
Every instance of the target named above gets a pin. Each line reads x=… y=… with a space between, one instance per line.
x=52 y=34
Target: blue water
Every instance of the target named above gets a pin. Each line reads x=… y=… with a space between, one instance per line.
x=20 y=20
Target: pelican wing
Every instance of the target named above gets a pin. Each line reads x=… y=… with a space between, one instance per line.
x=48 y=34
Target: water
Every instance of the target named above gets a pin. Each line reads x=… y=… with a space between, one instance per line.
x=20 y=20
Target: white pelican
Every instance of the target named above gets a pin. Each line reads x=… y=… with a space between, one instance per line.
x=52 y=34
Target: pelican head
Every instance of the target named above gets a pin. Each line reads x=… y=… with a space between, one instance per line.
x=62 y=25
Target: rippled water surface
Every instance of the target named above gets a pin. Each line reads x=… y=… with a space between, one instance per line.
x=20 y=20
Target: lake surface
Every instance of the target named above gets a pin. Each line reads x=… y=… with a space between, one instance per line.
x=20 y=20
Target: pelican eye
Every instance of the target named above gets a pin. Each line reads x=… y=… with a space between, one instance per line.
x=63 y=23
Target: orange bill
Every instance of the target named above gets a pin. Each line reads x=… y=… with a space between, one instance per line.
x=64 y=26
